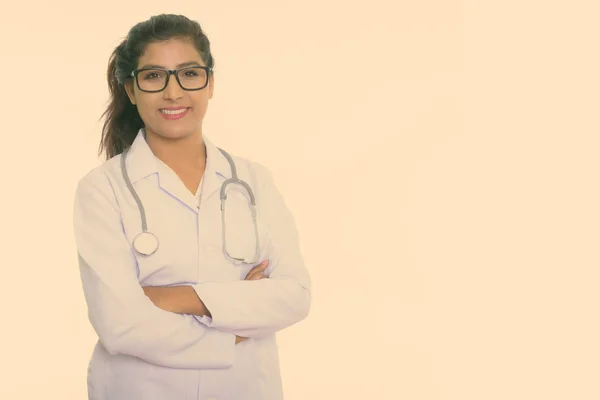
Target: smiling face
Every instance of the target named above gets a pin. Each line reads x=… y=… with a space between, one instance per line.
x=161 y=124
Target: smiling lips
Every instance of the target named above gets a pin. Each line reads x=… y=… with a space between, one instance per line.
x=174 y=113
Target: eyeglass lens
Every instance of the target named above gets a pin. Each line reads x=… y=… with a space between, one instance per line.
x=155 y=79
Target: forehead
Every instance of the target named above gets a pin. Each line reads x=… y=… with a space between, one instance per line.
x=170 y=53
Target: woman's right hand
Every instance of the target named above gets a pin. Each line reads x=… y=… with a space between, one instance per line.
x=254 y=274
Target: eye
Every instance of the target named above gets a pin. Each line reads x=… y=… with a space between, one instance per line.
x=151 y=75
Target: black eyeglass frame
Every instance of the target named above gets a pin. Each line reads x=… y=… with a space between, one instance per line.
x=134 y=74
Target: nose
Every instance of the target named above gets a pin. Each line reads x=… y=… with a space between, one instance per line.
x=173 y=90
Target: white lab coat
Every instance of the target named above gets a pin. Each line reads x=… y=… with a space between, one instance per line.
x=145 y=353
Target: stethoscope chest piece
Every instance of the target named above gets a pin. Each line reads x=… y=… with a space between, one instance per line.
x=145 y=243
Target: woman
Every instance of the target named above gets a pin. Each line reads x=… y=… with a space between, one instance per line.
x=193 y=314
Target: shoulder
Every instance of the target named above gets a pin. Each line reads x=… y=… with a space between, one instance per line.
x=98 y=179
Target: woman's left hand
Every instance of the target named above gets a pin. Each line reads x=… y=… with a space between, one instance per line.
x=257 y=272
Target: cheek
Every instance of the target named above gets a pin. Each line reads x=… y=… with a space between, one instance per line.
x=143 y=112
x=146 y=109
x=200 y=106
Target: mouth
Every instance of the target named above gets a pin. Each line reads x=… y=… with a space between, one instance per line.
x=174 y=113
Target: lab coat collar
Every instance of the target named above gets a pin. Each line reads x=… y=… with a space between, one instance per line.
x=141 y=163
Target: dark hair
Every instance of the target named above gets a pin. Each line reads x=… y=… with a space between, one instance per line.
x=122 y=120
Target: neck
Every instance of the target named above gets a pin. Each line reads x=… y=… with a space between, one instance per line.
x=183 y=154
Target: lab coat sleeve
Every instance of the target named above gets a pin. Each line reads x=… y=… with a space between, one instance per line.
x=125 y=319
x=262 y=307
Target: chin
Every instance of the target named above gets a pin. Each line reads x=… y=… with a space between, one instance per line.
x=177 y=132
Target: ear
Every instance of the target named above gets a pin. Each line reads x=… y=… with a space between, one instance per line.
x=211 y=86
x=130 y=92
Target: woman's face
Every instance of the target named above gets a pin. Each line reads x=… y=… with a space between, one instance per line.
x=170 y=55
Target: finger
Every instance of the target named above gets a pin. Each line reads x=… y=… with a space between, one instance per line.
x=255 y=277
x=250 y=274
x=259 y=276
x=259 y=268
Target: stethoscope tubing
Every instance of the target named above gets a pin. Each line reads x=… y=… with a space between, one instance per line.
x=223 y=197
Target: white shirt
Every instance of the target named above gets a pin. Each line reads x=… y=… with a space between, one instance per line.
x=145 y=353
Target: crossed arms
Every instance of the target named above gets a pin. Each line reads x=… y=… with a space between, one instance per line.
x=185 y=300
x=190 y=326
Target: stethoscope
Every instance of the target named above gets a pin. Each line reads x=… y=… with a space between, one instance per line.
x=146 y=243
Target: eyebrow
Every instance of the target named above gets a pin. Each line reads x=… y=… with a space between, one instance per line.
x=182 y=65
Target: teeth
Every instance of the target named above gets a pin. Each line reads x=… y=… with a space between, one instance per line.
x=173 y=112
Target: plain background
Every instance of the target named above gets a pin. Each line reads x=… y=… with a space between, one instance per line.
x=441 y=159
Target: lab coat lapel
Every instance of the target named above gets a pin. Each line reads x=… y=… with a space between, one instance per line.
x=170 y=182
x=142 y=163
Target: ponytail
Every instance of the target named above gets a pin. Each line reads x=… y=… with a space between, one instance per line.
x=122 y=120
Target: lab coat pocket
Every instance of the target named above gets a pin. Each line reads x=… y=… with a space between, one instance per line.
x=131 y=378
x=155 y=267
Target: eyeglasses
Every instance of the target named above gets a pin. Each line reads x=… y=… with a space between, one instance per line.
x=156 y=80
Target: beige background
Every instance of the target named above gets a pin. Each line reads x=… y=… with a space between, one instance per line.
x=440 y=158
